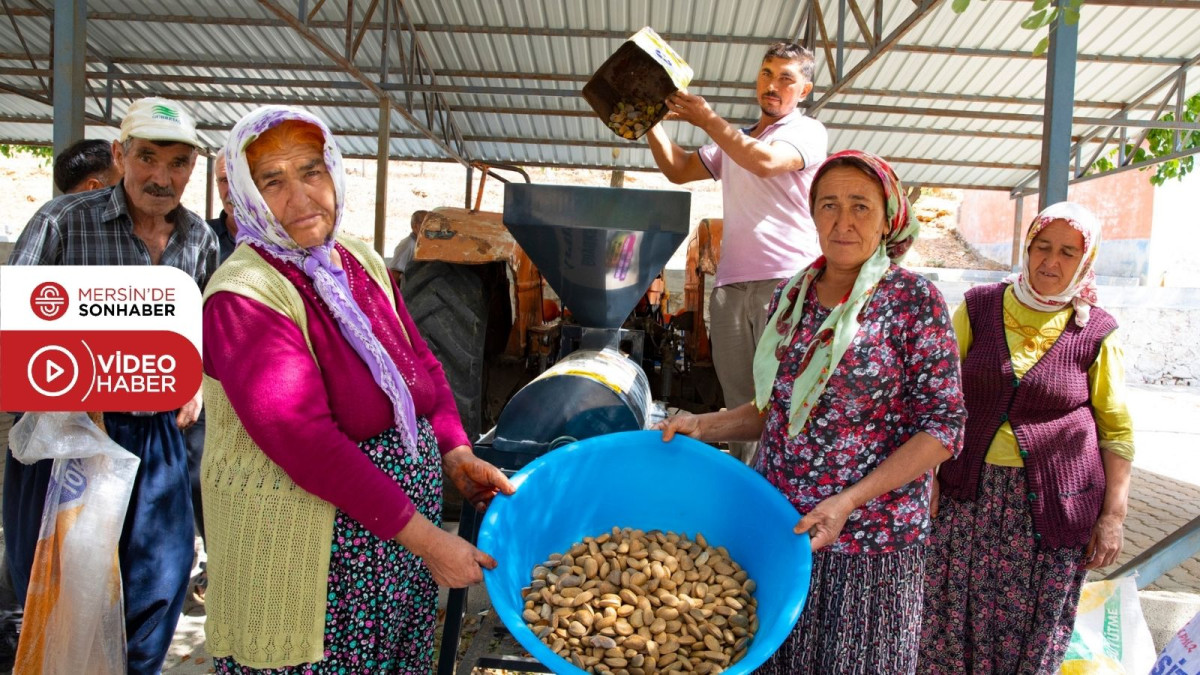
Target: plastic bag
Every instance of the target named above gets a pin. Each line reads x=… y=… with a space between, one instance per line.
x=74 y=611
x=1111 y=635
x=1182 y=655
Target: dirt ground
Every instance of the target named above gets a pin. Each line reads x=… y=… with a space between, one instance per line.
x=428 y=185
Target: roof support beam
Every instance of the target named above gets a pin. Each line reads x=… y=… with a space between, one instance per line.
x=362 y=31
x=1166 y=4
x=819 y=19
x=878 y=21
x=97 y=55
x=1138 y=165
x=70 y=55
x=841 y=39
x=210 y=179
x=1018 y=228
x=877 y=51
x=1176 y=90
x=924 y=131
x=381 y=173
x=282 y=99
x=803 y=31
x=132 y=59
x=1119 y=121
x=383 y=44
x=309 y=84
x=596 y=167
x=349 y=25
x=1060 y=95
x=441 y=128
x=861 y=20
x=620 y=35
x=316 y=8
x=1180 y=101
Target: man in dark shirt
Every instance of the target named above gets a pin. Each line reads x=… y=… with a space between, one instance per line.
x=224 y=226
x=86 y=165
x=139 y=221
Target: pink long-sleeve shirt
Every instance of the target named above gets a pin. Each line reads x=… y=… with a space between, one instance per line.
x=309 y=416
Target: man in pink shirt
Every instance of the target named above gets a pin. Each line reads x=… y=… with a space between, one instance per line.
x=765 y=172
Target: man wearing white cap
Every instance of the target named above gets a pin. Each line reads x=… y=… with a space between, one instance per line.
x=139 y=221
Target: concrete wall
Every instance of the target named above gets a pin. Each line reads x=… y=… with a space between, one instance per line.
x=1158 y=329
x=1124 y=202
x=1176 y=240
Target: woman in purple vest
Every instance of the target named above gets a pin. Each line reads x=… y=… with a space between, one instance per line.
x=1038 y=496
x=857 y=398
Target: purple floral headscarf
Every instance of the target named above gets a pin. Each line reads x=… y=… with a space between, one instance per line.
x=258 y=226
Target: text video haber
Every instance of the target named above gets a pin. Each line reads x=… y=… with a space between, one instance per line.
x=137 y=374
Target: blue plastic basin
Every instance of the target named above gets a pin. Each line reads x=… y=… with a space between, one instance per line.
x=633 y=479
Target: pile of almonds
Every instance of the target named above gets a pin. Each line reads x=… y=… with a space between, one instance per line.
x=632 y=120
x=637 y=602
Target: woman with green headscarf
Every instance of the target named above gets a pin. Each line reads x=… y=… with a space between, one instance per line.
x=857 y=399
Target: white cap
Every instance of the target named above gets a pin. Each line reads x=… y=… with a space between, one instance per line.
x=158 y=119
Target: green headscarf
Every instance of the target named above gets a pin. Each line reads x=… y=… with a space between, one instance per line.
x=822 y=355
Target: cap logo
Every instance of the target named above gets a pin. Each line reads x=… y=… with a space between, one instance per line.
x=163 y=112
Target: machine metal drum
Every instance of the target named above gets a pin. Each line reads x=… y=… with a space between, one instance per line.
x=587 y=393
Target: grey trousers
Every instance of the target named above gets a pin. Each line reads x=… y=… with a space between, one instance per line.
x=738 y=318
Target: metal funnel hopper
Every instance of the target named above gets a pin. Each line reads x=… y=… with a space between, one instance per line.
x=598 y=248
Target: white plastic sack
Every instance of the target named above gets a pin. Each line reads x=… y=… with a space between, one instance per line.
x=1111 y=636
x=74 y=614
x=1182 y=655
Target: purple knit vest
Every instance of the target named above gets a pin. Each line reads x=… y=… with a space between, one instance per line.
x=1050 y=412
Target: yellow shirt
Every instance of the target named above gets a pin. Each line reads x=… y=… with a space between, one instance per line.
x=1030 y=334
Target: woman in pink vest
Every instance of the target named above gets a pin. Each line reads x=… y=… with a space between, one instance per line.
x=331 y=431
x=1038 y=496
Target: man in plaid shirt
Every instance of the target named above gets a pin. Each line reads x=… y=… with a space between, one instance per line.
x=139 y=221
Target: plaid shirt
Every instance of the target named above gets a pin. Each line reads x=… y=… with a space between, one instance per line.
x=94 y=228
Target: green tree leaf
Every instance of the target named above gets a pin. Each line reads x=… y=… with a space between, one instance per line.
x=1042 y=13
x=1159 y=143
x=1034 y=21
x=46 y=153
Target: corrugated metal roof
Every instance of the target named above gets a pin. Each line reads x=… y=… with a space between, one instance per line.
x=957 y=100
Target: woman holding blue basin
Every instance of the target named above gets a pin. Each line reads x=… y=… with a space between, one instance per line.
x=331 y=430
x=857 y=400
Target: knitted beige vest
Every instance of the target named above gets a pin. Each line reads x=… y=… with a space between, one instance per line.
x=267 y=538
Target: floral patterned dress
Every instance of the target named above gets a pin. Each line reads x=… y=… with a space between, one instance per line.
x=996 y=602
x=382 y=604
x=898 y=377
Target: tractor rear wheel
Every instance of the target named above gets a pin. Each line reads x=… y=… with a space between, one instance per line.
x=449 y=306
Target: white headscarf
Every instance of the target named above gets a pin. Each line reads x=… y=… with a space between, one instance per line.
x=1081 y=292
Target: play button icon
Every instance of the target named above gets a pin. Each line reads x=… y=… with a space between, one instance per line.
x=52 y=370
